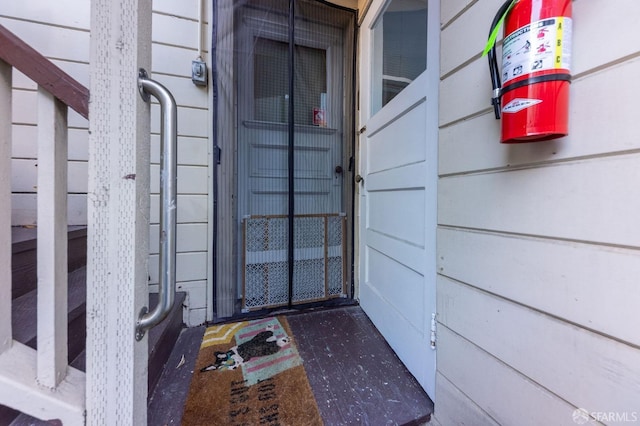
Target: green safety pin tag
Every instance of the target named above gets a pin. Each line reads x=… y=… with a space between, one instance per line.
x=494 y=33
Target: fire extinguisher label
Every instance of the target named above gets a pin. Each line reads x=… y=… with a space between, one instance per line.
x=518 y=104
x=540 y=46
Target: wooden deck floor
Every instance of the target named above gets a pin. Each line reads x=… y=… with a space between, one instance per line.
x=356 y=378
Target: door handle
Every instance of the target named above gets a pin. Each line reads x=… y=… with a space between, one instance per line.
x=168 y=183
x=359 y=179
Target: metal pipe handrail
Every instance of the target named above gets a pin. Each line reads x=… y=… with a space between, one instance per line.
x=168 y=183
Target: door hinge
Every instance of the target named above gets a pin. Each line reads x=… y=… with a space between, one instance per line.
x=362 y=130
x=433 y=330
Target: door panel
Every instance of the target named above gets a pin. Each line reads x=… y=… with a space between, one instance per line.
x=398 y=161
x=265 y=151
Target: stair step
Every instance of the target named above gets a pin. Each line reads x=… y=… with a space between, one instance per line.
x=162 y=338
x=161 y=342
x=24 y=256
x=24 y=312
x=7 y=415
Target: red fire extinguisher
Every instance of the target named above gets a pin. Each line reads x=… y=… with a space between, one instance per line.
x=531 y=92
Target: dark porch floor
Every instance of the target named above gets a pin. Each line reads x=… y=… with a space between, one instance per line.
x=356 y=377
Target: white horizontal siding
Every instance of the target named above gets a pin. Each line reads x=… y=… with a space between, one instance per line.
x=25 y=174
x=584 y=368
x=590 y=285
x=23 y=208
x=196 y=301
x=467 y=35
x=23 y=110
x=465 y=92
x=191 y=121
x=175 y=31
x=585 y=200
x=185 y=8
x=539 y=243
x=196 y=292
x=25 y=143
x=189 y=267
x=193 y=238
x=195 y=317
x=622 y=40
x=172 y=60
x=55 y=42
x=505 y=395
x=191 y=208
x=449 y=9
x=66 y=13
x=60 y=31
x=182 y=88
x=586 y=138
x=191 y=179
x=191 y=151
x=455 y=408
x=175 y=45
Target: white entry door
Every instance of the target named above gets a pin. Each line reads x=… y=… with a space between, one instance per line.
x=398 y=163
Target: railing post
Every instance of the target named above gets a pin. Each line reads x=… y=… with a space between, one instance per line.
x=52 y=240
x=118 y=213
x=5 y=206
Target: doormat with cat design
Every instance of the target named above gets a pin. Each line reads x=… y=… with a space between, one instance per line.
x=250 y=373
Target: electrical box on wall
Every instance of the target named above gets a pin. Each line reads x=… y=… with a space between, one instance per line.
x=199 y=72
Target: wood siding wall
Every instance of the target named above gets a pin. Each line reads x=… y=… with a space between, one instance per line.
x=60 y=31
x=538 y=244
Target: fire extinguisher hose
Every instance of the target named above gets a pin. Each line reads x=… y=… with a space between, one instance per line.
x=493 y=62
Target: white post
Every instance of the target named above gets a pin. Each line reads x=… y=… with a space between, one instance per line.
x=52 y=240
x=5 y=206
x=118 y=213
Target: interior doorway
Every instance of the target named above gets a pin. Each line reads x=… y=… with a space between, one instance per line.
x=292 y=110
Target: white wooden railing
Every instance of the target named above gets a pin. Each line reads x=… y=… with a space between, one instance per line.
x=40 y=382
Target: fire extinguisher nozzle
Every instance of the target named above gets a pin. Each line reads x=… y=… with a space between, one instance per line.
x=496 y=107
